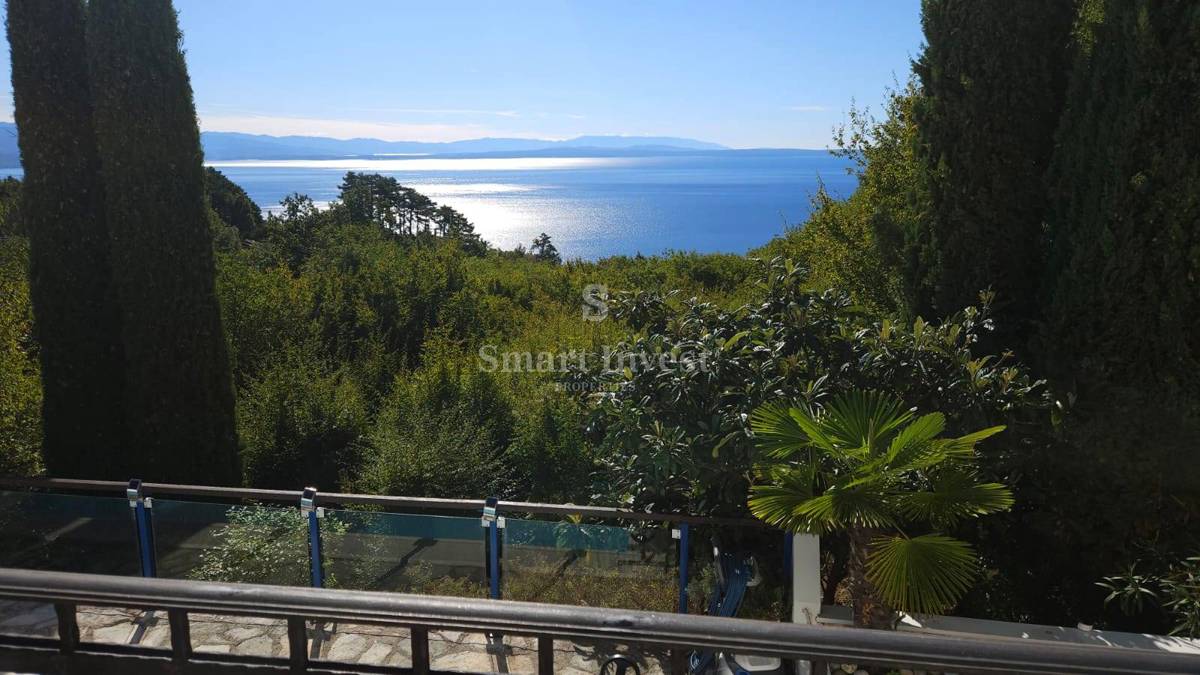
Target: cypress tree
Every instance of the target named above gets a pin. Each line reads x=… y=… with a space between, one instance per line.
x=1122 y=327
x=1124 y=281
x=178 y=390
x=76 y=321
x=993 y=76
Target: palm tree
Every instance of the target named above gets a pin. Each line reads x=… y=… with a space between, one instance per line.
x=865 y=466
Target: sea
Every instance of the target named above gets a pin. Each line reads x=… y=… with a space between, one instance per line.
x=727 y=201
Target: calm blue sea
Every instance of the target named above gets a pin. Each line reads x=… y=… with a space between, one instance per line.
x=591 y=207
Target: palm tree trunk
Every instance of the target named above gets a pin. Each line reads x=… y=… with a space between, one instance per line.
x=869 y=609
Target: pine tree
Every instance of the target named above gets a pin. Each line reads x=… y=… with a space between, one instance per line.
x=178 y=391
x=993 y=76
x=76 y=320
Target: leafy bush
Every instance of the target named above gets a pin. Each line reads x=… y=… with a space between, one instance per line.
x=299 y=423
x=20 y=386
x=1175 y=592
x=264 y=545
x=440 y=433
x=677 y=437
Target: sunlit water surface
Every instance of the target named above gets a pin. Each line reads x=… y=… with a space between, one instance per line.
x=590 y=206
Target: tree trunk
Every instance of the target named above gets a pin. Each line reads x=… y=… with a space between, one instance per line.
x=869 y=609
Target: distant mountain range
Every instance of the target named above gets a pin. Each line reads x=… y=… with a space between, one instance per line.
x=228 y=145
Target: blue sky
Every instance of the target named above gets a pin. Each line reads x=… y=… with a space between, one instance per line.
x=747 y=74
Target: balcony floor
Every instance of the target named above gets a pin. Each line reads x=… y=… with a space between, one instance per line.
x=341 y=642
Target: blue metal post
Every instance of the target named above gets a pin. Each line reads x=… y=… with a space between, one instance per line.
x=683 y=568
x=141 y=519
x=494 y=559
x=490 y=520
x=308 y=506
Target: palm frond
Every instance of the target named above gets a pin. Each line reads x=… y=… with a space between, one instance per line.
x=779 y=505
x=954 y=496
x=862 y=418
x=963 y=447
x=925 y=574
x=914 y=439
x=839 y=507
x=776 y=431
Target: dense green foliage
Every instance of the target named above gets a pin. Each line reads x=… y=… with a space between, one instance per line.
x=178 y=395
x=232 y=205
x=63 y=210
x=1173 y=590
x=992 y=80
x=791 y=344
x=1126 y=247
x=20 y=388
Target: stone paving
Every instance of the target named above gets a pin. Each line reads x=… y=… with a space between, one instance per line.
x=341 y=642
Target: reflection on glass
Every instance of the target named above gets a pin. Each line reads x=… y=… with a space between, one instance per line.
x=593 y=565
x=68 y=533
x=433 y=555
x=219 y=542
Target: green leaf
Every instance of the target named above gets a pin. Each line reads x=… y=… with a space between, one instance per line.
x=925 y=574
x=736 y=338
x=964 y=446
x=780 y=504
x=840 y=507
x=861 y=418
x=776 y=430
x=955 y=496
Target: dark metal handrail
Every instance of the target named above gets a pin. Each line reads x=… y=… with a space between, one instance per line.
x=547 y=622
x=387 y=501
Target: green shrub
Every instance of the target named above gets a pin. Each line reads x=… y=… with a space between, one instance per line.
x=20 y=387
x=442 y=432
x=264 y=545
x=300 y=422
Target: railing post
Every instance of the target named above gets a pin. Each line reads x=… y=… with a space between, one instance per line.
x=68 y=627
x=308 y=507
x=490 y=521
x=181 y=635
x=145 y=532
x=297 y=630
x=682 y=534
x=545 y=647
x=419 y=639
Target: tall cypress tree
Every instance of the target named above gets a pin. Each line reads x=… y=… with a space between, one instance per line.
x=1125 y=252
x=178 y=389
x=993 y=76
x=1123 y=282
x=76 y=319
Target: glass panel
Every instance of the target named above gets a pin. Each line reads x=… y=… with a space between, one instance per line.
x=68 y=533
x=29 y=619
x=434 y=555
x=767 y=598
x=219 y=542
x=592 y=565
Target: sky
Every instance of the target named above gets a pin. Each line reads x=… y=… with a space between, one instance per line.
x=763 y=73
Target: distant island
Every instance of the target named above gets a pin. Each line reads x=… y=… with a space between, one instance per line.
x=229 y=145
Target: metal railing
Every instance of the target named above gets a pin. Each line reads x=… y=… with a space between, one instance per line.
x=111 y=487
x=420 y=614
x=141 y=495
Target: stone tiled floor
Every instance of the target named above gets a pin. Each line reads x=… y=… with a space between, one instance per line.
x=341 y=642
